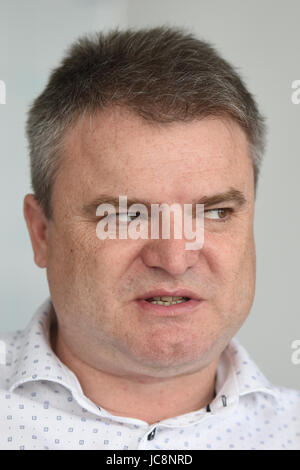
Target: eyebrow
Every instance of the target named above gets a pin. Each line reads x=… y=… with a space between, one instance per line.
x=231 y=196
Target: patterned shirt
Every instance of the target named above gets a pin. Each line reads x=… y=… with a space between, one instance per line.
x=42 y=405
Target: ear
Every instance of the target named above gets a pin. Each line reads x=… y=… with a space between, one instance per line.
x=37 y=224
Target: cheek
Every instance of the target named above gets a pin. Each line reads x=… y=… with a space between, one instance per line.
x=247 y=270
x=81 y=263
x=232 y=264
x=71 y=258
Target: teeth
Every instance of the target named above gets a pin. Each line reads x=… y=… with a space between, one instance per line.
x=159 y=302
x=167 y=300
x=170 y=298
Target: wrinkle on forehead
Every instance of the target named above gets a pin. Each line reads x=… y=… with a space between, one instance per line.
x=118 y=149
x=106 y=131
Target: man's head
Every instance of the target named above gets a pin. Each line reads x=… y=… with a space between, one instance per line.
x=158 y=116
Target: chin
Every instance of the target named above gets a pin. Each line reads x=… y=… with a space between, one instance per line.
x=180 y=357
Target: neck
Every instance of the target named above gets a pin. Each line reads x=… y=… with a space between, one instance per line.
x=147 y=399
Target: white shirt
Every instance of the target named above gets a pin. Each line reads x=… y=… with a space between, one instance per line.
x=42 y=405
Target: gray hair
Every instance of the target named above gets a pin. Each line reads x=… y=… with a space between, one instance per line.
x=164 y=74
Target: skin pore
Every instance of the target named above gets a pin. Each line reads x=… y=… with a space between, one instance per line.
x=127 y=362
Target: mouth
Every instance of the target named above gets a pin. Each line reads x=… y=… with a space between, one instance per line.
x=169 y=303
x=167 y=300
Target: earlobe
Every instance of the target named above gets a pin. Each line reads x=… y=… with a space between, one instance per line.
x=37 y=225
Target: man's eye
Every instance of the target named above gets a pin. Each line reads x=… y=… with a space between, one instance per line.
x=125 y=217
x=221 y=214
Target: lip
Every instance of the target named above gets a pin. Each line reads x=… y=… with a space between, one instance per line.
x=170 y=310
x=159 y=292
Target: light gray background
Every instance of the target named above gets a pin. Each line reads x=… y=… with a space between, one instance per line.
x=262 y=38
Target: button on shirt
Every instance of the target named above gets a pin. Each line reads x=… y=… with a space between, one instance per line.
x=42 y=405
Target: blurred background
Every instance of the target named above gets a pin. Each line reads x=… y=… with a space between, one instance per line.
x=261 y=38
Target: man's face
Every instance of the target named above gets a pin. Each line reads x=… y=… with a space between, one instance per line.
x=94 y=283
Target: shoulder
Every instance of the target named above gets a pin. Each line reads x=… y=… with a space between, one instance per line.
x=288 y=400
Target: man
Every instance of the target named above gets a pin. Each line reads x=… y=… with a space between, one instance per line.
x=160 y=117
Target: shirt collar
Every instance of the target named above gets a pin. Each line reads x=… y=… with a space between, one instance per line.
x=36 y=336
x=237 y=373
x=248 y=376
x=238 y=376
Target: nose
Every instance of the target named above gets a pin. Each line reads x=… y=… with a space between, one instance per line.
x=170 y=255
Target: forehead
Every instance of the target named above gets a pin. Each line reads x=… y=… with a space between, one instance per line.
x=118 y=149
